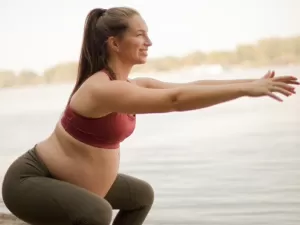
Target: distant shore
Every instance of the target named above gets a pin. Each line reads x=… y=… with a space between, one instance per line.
x=265 y=52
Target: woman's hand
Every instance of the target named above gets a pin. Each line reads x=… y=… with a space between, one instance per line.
x=268 y=84
x=284 y=79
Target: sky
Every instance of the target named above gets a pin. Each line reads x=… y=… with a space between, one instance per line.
x=38 y=34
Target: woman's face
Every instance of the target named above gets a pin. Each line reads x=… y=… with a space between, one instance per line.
x=132 y=48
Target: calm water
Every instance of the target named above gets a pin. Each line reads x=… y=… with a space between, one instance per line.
x=235 y=163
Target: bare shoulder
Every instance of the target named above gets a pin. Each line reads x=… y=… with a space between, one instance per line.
x=97 y=78
x=82 y=101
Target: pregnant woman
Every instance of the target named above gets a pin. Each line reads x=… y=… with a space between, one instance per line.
x=72 y=177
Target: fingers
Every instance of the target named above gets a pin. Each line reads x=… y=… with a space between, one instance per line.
x=283 y=91
x=272 y=74
x=284 y=86
x=287 y=79
x=293 y=82
x=270 y=94
x=269 y=74
x=281 y=84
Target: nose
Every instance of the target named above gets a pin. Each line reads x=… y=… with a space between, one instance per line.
x=148 y=42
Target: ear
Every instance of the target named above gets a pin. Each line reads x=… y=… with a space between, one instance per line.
x=113 y=44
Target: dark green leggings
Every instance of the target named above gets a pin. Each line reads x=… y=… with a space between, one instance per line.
x=31 y=194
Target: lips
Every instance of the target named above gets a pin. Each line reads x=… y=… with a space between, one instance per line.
x=144 y=52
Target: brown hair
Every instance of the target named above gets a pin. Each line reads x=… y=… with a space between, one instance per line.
x=100 y=24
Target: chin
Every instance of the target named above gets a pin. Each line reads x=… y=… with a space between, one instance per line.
x=141 y=60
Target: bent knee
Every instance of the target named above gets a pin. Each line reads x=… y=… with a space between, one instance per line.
x=144 y=194
x=96 y=214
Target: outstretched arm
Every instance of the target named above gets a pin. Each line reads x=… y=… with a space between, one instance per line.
x=124 y=97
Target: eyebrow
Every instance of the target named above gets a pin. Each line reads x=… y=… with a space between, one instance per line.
x=141 y=30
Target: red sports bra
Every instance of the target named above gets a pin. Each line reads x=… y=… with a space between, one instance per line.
x=104 y=132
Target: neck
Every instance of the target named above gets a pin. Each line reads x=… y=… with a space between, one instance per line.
x=121 y=69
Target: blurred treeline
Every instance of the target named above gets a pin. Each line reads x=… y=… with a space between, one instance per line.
x=271 y=51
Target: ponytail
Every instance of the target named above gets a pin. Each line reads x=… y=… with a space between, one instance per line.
x=90 y=60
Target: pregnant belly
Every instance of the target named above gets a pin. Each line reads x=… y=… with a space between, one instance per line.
x=92 y=169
